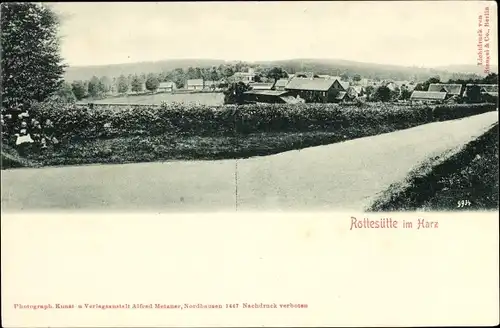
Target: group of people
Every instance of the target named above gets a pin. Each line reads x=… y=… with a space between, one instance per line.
x=26 y=132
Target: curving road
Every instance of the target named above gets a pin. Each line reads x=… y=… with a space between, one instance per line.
x=341 y=176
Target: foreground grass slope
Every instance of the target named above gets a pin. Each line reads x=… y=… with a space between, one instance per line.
x=467 y=180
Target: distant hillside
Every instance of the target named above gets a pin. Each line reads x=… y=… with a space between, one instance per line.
x=468 y=69
x=319 y=66
x=372 y=70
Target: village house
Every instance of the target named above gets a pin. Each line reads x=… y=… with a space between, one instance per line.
x=391 y=85
x=166 y=87
x=265 y=96
x=306 y=75
x=317 y=90
x=271 y=97
x=195 y=84
x=368 y=82
x=245 y=77
x=335 y=78
x=428 y=97
x=262 y=86
x=408 y=85
x=489 y=92
x=341 y=85
x=450 y=89
x=210 y=85
x=281 y=84
x=491 y=89
x=355 y=91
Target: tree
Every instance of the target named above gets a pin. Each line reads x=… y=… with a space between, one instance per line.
x=79 y=89
x=152 y=83
x=122 y=84
x=191 y=73
x=491 y=78
x=228 y=71
x=344 y=77
x=369 y=91
x=425 y=86
x=356 y=78
x=104 y=85
x=94 y=87
x=276 y=73
x=405 y=94
x=31 y=64
x=136 y=84
x=64 y=93
x=473 y=94
x=235 y=93
x=382 y=93
x=178 y=77
x=214 y=76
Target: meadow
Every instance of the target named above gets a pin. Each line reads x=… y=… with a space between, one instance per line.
x=206 y=98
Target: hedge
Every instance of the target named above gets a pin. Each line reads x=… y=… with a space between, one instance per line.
x=104 y=121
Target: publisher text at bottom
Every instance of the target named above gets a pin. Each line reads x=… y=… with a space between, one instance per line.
x=187 y=306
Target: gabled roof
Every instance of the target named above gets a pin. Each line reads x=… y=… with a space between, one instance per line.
x=309 y=84
x=262 y=86
x=244 y=74
x=166 y=85
x=344 y=84
x=341 y=95
x=485 y=87
x=428 y=95
x=266 y=92
x=281 y=83
x=356 y=88
x=454 y=89
x=195 y=82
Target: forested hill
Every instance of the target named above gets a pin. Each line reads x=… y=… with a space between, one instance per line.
x=319 y=66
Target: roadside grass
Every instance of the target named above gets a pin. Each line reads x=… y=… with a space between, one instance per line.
x=467 y=174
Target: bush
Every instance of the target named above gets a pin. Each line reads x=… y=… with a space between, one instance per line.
x=80 y=122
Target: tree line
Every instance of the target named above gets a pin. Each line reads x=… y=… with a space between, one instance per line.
x=98 y=87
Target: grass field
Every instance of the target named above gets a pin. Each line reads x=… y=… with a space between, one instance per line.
x=211 y=99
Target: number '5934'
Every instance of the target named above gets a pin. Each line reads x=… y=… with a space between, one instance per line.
x=463 y=203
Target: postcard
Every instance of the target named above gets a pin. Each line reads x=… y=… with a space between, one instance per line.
x=307 y=163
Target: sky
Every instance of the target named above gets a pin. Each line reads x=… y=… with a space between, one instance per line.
x=408 y=33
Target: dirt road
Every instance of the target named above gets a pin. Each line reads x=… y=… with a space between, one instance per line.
x=342 y=176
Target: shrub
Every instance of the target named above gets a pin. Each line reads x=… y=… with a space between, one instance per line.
x=81 y=122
